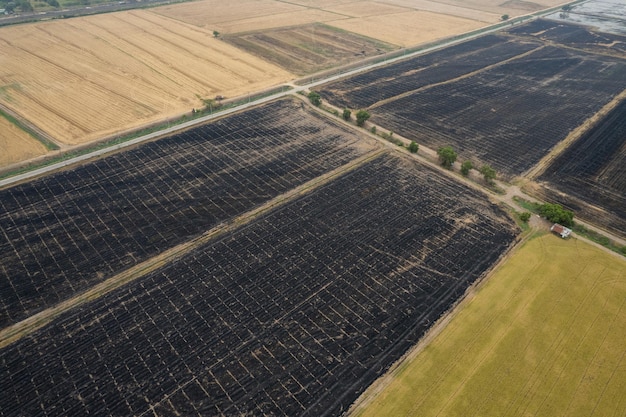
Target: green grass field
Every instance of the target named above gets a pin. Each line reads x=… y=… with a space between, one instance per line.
x=544 y=336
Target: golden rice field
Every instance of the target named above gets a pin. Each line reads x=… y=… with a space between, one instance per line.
x=17 y=145
x=80 y=79
x=408 y=28
x=418 y=20
x=544 y=336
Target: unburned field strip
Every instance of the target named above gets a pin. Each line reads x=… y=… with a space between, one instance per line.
x=293 y=314
x=543 y=336
x=65 y=232
x=508 y=106
x=85 y=78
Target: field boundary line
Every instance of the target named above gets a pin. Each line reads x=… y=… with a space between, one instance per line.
x=453 y=80
x=27 y=326
x=39 y=135
x=543 y=164
x=382 y=383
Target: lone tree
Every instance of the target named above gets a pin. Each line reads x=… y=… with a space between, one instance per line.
x=525 y=216
x=315 y=98
x=447 y=156
x=557 y=214
x=361 y=117
x=346 y=114
x=466 y=167
x=413 y=147
x=216 y=34
x=488 y=173
x=505 y=17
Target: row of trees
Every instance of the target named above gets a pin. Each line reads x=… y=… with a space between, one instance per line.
x=22 y=5
x=447 y=157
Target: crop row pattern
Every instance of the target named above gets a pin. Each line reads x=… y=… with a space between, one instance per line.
x=65 y=232
x=294 y=314
x=593 y=170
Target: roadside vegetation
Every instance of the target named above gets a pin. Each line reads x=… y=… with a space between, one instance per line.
x=558 y=214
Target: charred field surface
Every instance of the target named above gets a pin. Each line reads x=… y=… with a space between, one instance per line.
x=294 y=314
x=589 y=177
x=509 y=109
x=573 y=35
x=386 y=83
x=68 y=231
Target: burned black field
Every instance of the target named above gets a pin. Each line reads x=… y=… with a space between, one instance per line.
x=573 y=35
x=66 y=232
x=507 y=106
x=294 y=314
x=295 y=310
x=590 y=176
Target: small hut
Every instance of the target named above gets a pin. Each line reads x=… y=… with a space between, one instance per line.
x=561 y=230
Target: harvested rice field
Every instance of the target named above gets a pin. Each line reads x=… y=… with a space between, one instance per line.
x=81 y=79
x=17 y=145
x=408 y=28
x=399 y=23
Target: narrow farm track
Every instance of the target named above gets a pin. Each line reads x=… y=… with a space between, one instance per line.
x=357 y=304
x=545 y=162
x=455 y=79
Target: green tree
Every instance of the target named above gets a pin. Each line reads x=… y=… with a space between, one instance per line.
x=315 y=98
x=466 y=167
x=488 y=173
x=525 y=216
x=555 y=213
x=346 y=114
x=447 y=156
x=25 y=6
x=361 y=117
x=373 y=129
x=413 y=147
x=216 y=34
x=505 y=17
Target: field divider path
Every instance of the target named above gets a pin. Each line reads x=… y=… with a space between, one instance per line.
x=15 y=332
x=573 y=136
x=455 y=79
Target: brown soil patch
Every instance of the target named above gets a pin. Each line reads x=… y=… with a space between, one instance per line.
x=310 y=48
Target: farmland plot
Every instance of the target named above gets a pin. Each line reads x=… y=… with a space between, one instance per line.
x=592 y=172
x=16 y=145
x=309 y=48
x=294 y=314
x=386 y=83
x=63 y=233
x=508 y=114
x=573 y=35
x=81 y=79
